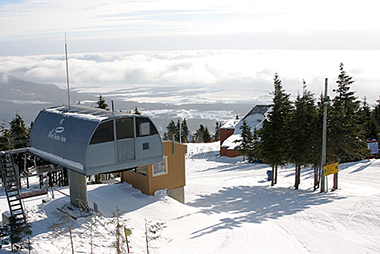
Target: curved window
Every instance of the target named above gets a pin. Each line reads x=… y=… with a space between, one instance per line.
x=144 y=127
x=104 y=133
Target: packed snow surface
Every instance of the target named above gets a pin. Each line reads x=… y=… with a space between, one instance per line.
x=230 y=208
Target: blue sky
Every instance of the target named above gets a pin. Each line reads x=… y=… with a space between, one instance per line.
x=38 y=26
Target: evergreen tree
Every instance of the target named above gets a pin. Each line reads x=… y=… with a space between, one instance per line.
x=136 y=111
x=245 y=146
x=274 y=135
x=370 y=128
x=185 y=131
x=202 y=134
x=302 y=138
x=172 y=130
x=206 y=135
x=18 y=132
x=198 y=136
x=17 y=233
x=119 y=224
x=59 y=228
x=102 y=103
x=178 y=135
x=346 y=137
x=152 y=232
x=376 y=113
x=217 y=130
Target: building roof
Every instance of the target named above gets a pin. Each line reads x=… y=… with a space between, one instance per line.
x=230 y=124
x=254 y=118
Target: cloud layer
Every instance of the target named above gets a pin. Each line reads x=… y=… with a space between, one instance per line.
x=203 y=76
x=37 y=26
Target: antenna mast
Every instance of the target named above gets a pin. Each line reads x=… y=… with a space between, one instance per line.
x=67 y=74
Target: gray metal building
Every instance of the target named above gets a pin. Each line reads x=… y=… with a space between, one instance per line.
x=91 y=141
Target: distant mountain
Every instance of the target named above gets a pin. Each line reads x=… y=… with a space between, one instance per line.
x=28 y=98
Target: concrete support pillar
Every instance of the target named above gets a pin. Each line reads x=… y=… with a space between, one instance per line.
x=78 y=188
x=178 y=194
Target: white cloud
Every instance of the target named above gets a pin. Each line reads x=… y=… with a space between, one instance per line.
x=122 y=21
x=212 y=75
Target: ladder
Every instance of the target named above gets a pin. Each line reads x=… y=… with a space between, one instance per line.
x=11 y=186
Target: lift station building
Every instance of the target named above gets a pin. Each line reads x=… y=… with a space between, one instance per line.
x=90 y=141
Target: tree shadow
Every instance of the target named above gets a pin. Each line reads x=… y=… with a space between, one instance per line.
x=255 y=204
x=364 y=165
x=134 y=200
x=237 y=167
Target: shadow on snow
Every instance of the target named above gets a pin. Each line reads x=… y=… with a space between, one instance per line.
x=255 y=204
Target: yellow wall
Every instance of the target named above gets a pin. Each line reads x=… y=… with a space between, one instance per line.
x=174 y=178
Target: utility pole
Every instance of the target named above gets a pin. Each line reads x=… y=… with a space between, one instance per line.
x=324 y=137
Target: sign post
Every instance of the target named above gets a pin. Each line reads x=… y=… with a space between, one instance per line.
x=332 y=168
x=127 y=233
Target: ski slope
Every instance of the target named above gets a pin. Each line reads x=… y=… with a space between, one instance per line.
x=230 y=208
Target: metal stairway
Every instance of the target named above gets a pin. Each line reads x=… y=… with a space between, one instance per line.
x=11 y=185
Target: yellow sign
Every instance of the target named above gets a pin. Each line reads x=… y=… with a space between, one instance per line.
x=127 y=232
x=331 y=169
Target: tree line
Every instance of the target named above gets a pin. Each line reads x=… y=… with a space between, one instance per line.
x=292 y=131
x=180 y=132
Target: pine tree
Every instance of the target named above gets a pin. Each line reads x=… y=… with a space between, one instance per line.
x=245 y=144
x=17 y=233
x=199 y=134
x=274 y=135
x=185 y=131
x=18 y=132
x=217 y=131
x=206 y=135
x=118 y=223
x=178 y=135
x=102 y=103
x=172 y=130
x=302 y=129
x=346 y=137
x=152 y=232
x=376 y=113
x=370 y=128
x=59 y=228
x=136 y=111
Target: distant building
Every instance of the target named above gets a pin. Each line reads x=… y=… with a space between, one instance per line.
x=231 y=131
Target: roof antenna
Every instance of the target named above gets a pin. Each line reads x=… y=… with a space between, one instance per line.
x=67 y=75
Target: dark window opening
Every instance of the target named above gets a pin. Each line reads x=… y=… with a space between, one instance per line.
x=124 y=128
x=144 y=127
x=104 y=133
x=145 y=146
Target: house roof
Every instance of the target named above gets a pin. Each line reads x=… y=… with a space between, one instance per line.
x=254 y=118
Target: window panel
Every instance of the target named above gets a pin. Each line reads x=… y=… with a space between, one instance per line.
x=124 y=128
x=144 y=127
x=160 y=168
x=104 y=133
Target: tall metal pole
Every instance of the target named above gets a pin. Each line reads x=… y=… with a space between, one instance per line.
x=324 y=137
x=67 y=74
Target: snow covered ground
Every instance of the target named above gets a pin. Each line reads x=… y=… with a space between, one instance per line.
x=230 y=208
